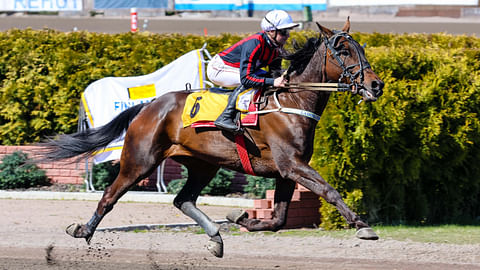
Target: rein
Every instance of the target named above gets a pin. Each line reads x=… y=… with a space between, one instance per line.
x=329 y=87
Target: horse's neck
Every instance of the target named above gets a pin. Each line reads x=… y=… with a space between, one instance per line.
x=313 y=101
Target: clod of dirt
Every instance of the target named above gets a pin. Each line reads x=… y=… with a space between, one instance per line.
x=49 y=256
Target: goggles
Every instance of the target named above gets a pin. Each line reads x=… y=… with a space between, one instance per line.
x=284 y=32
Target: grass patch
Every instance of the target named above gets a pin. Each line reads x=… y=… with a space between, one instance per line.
x=449 y=234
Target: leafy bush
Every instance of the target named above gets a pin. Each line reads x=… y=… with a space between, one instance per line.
x=176 y=185
x=104 y=174
x=413 y=153
x=43 y=73
x=258 y=186
x=219 y=186
x=16 y=172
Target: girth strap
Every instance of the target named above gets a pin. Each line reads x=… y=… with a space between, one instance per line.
x=243 y=154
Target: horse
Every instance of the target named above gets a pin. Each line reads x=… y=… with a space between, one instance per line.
x=279 y=147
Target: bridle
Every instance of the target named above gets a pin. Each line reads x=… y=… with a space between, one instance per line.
x=330 y=44
x=340 y=85
x=352 y=85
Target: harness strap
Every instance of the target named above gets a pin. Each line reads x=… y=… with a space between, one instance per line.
x=279 y=108
x=243 y=154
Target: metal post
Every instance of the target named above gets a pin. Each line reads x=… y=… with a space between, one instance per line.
x=82 y=126
x=160 y=181
x=307 y=13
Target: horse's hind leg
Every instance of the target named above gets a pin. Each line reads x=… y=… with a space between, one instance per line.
x=132 y=170
x=199 y=175
x=283 y=195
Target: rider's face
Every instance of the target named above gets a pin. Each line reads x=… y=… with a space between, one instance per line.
x=281 y=36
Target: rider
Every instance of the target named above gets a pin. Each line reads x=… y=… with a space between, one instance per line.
x=240 y=65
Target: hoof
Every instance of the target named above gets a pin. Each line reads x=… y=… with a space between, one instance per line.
x=237 y=215
x=215 y=246
x=75 y=230
x=72 y=230
x=366 y=234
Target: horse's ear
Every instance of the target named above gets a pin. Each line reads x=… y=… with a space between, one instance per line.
x=346 y=27
x=327 y=32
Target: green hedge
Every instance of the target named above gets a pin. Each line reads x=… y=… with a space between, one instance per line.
x=43 y=73
x=17 y=172
x=218 y=186
x=415 y=152
x=410 y=157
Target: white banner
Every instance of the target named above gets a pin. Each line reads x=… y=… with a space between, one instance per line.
x=104 y=99
x=339 y=3
x=41 y=5
x=249 y=4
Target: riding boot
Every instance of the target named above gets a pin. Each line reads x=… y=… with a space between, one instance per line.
x=225 y=121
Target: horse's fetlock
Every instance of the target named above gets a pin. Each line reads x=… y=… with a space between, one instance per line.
x=278 y=224
x=107 y=208
x=178 y=203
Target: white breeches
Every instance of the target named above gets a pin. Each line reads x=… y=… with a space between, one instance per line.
x=221 y=74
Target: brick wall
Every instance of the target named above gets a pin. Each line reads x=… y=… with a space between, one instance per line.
x=303 y=211
x=65 y=172
x=71 y=172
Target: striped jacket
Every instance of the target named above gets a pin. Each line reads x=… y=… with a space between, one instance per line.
x=251 y=54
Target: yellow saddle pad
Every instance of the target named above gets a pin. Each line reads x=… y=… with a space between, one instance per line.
x=207 y=105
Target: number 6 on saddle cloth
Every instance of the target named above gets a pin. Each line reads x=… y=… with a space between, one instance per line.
x=203 y=108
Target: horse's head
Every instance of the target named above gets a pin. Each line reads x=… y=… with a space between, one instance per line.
x=345 y=62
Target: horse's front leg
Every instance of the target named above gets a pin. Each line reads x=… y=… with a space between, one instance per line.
x=311 y=179
x=283 y=195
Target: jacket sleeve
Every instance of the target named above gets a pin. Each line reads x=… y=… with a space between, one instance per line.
x=251 y=52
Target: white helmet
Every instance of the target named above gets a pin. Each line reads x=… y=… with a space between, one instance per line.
x=277 y=19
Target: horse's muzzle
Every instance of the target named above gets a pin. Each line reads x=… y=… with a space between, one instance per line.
x=372 y=91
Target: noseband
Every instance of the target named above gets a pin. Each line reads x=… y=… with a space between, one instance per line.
x=346 y=70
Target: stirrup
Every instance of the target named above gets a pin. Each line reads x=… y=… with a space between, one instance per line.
x=237 y=130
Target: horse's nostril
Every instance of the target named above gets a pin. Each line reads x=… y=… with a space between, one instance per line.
x=377 y=87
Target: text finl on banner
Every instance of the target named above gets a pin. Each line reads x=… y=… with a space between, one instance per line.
x=140 y=92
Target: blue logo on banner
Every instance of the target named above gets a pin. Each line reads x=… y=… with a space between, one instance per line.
x=45 y=4
x=106 y=4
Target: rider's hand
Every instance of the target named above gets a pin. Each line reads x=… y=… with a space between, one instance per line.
x=279 y=82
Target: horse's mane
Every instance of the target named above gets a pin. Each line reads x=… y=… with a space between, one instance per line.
x=300 y=58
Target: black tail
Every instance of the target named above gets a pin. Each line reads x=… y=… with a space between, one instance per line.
x=85 y=143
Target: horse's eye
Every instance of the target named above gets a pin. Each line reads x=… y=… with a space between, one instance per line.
x=344 y=52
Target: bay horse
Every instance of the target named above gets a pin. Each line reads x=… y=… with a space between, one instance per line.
x=279 y=147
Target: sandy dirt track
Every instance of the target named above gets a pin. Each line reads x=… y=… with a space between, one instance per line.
x=32 y=236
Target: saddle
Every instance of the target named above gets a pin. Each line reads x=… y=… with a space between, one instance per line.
x=203 y=108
